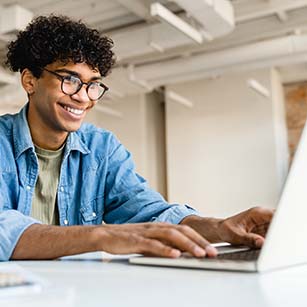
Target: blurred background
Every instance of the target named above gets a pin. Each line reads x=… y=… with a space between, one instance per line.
x=209 y=96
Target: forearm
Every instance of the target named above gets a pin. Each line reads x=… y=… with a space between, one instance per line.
x=49 y=242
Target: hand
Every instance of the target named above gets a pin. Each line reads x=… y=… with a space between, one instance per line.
x=158 y=239
x=248 y=227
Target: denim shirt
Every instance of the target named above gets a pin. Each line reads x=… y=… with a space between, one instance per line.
x=97 y=183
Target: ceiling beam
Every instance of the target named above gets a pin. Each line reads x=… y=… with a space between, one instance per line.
x=265 y=54
x=246 y=10
x=251 y=31
x=13 y=96
x=14 y=18
x=137 y=7
x=5 y=38
x=161 y=13
x=282 y=16
x=279 y=51
x=7 y=78
x=216 y=17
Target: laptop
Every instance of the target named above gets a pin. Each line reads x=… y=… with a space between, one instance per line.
x=285 y=244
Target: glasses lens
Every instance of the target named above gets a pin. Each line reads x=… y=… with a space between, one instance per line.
x=71 y=85
x=95 y=90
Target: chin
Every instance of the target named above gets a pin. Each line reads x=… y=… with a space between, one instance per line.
x=72 y=129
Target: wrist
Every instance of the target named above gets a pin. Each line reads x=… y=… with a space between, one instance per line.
x=207 y=227
x=97 y=238
x=104 y=238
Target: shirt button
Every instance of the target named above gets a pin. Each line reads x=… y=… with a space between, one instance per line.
x=62 y=189
x=94 y=214
x=65 y=222
x=28 y=188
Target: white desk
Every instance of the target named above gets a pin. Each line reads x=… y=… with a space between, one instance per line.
x=97 y=281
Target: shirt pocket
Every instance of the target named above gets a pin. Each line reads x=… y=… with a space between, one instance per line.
x=91 y=212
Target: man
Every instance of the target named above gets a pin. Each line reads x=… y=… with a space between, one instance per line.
x=60 y=179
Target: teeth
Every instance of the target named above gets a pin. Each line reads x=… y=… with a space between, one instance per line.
x=74 y=111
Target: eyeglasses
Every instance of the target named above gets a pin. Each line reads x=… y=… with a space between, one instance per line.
x=71 y=85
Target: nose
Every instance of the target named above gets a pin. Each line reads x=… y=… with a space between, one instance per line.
x=81 y=95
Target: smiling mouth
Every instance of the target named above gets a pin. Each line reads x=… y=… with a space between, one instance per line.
x=73 y=111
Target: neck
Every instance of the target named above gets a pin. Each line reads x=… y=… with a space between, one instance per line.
x=43 y=136
x=49 y=141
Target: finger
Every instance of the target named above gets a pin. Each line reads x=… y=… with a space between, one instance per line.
x=156 y=248
x=259 y=220
x=250 y=239
x=198 y=239
x=171 y=236
x=261 y=229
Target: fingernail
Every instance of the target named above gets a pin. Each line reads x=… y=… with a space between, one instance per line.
x=175 y=253
x=259 y=243
x=211 y=250
x=199 y=252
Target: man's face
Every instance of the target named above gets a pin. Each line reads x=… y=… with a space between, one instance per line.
x=55 y=110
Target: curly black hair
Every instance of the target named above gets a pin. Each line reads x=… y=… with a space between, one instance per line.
x=50 y=38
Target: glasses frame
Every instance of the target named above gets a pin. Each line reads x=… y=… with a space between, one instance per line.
x=88 y=84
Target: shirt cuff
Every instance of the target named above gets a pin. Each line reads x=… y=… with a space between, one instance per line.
x=176 y=213
x=12 y=225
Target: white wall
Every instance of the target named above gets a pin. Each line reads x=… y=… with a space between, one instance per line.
x=141 y=130
x=221 y=154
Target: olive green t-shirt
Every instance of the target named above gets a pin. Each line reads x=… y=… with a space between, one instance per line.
x=44 y=204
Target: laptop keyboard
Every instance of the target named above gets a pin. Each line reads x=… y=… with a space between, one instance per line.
x=248 y=255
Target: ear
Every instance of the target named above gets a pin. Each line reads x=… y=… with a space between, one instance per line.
x=28 y=81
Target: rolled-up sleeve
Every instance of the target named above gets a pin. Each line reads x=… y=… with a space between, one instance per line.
x=175 y=214
x=12 y=225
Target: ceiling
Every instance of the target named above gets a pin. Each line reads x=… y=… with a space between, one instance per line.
x=151 y=53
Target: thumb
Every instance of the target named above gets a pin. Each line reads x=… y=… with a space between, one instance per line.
x=252 y=240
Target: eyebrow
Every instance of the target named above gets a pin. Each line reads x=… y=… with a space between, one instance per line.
x=74 y=73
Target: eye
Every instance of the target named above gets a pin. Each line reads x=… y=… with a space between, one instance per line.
x=94 y=85
x=72 y=80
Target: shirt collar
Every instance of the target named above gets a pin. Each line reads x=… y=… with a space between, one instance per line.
x=23 y=140
x=74 y=142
